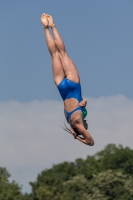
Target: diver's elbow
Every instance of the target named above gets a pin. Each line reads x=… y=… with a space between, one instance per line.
x=90 y=143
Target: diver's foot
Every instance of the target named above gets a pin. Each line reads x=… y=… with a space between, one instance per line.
x=44 y=20
x=50 y=21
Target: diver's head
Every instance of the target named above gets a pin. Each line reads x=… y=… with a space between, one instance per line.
x=76 y=130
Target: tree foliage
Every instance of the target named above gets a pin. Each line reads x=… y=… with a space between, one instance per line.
x=108 y=175
x=8 y=190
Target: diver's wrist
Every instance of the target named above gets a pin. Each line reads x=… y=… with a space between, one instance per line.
x=75 y=136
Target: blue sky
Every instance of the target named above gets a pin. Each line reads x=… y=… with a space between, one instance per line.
x=99 y=38
x=97 y=35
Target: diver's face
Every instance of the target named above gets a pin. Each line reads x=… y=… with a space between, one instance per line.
x=85 y=124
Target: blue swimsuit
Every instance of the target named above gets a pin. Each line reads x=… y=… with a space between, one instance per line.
x=69 y=89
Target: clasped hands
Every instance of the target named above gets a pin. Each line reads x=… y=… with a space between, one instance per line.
x=83 y=103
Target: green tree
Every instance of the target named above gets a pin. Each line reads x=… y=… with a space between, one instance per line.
x=108 y=185
x=8 y=190
x=108 y=175
x=27 y=197
x=49 y=183
x=113 y=157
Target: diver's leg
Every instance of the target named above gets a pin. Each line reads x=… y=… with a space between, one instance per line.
x=68 y=65
x=58 y=71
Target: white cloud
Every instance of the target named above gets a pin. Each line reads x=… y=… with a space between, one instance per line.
x=31 y=138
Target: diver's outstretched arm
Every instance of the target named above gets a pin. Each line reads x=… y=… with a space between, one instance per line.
x=78 y=124
x=89 y=141
x=86 y=139
x=81 y=139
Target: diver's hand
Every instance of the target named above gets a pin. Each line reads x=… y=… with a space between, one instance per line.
x=83 y=103
x=73 y=133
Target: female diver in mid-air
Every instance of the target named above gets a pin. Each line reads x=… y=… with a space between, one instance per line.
x=67 y=80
